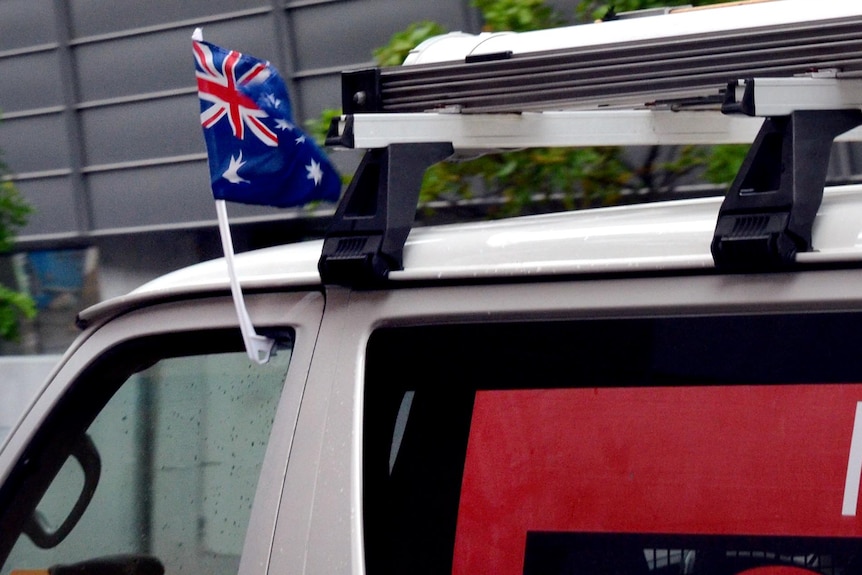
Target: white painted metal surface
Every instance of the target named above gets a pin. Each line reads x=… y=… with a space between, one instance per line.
x=642 y=238
x=782 y=96
x=664 y=235
x=565 y=128
x=639 y=238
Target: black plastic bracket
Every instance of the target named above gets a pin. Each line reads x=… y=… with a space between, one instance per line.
x=769 y=210
x=336 y=137
x=361 y=91
x=371 y=224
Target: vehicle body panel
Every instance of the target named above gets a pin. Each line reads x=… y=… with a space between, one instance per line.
x=638 y=239
x=325 y=474
x=301 y=311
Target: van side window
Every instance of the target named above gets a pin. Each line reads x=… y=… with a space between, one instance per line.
x=677 y=445
x=169 y=447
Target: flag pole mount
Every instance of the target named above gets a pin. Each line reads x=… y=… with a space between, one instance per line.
x=257 y=347
x=237 y=93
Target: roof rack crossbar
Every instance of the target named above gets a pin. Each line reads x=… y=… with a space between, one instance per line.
x=676 y=121
x=578 y=128
x=769 y=210
x=371 y=224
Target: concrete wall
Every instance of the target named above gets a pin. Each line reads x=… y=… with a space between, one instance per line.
x=104 y=138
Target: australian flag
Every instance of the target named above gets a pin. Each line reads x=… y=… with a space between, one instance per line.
x=257 y=155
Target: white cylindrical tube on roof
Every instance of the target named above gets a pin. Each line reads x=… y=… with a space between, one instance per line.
x=449 y=47
x=681 y=22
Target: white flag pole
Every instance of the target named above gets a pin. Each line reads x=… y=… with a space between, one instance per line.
x=257 y=346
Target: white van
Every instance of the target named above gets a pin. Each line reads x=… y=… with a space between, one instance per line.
x=632 y=390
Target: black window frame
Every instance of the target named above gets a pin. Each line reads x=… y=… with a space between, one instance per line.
x=409 y=524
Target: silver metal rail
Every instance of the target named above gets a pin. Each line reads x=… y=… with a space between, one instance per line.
x=621 y=74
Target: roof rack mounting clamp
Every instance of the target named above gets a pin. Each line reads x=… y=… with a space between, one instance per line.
x=769 y=210
x=366 y=238
x=361 y=91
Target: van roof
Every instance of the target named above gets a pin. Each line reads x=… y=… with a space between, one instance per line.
x=637 y=239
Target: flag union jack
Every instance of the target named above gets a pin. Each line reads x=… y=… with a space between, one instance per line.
x=256 y=153
x=220 y=85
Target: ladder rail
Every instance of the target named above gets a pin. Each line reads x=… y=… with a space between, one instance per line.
x=584 y=76
x=629 y=52
x=688 y=71
x=662 y=26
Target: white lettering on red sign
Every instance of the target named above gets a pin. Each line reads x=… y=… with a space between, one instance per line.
x=854 y=466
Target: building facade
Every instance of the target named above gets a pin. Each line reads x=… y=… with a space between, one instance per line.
x=100 y=130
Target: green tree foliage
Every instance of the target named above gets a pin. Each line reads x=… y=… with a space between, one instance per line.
x=14 y=306
x=394 y=52
x=526 y=179
x=589 y=10
x=517 y=15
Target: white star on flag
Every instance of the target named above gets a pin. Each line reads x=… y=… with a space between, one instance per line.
x=273 y=101
x=300 y=140
x=283 y=124
x=232 y=172
x=314 y=172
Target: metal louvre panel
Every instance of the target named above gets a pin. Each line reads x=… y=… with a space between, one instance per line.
x=625 y=73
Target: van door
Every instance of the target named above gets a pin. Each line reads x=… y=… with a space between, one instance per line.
x=652 y=425
x=159 y=446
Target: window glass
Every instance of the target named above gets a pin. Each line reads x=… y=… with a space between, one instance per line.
x=668 y=445
x=172 y=459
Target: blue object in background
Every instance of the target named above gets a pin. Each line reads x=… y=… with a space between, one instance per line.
x=56 y=274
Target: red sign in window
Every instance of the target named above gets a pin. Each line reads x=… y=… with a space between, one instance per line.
x=722 y=460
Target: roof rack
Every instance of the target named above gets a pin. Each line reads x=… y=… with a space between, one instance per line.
x=791 y=88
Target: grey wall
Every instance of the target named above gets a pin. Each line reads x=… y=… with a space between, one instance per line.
x=99 y=105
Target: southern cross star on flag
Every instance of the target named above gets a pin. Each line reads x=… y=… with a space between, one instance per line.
x=257 y=155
